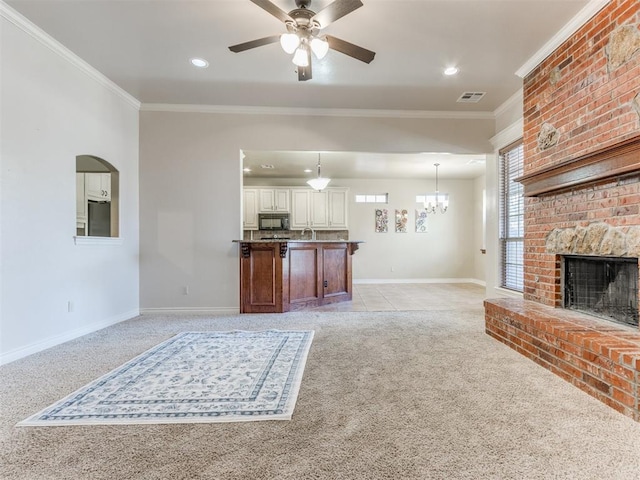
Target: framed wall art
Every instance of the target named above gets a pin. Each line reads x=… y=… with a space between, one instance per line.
x=421 y=221
x=382 y=220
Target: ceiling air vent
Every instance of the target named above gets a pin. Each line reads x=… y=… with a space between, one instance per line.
x=471 y=97
x=267 y=166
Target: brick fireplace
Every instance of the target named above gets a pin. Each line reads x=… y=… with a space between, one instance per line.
x=582 y=187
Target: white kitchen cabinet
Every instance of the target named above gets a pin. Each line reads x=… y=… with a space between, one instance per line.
x=300 y=202
x=273 y=200
x=338 y=208
x=250 y=209
x=81 y=202
x=98 y=186
x=319 y=210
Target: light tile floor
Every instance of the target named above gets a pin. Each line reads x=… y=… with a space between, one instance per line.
x=409 y=296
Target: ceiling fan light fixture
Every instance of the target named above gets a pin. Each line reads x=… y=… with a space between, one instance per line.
x=289 y=42
x=301 y=57
x=320 y=47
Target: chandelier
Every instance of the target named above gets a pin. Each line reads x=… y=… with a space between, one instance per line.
x=319 y=183
x=436 y=201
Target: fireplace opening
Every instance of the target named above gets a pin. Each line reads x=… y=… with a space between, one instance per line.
x=606 y=287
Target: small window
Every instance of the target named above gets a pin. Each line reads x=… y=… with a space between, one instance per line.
x=372 y=198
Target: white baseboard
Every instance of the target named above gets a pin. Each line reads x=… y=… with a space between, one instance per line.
x=366 y=281
x=17 y=353
x=190 y=311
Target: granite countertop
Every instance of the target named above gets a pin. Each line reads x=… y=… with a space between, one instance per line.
x=291 y=240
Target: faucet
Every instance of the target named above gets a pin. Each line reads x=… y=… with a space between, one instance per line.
x=313 y=232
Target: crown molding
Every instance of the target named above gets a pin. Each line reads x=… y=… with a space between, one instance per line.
x=326 y=112
x=516 y=98
x=584 y=15
x=509 y=135
x=34 y=31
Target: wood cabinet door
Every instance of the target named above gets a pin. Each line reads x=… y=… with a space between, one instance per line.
x=261 y=279
x=319 y=216
x=304 y=273
x=267 y=200
x=338 y=208
x=336 y=268
x=250 y=209
x=98 y=186
x=281 y=199
x=299 y=209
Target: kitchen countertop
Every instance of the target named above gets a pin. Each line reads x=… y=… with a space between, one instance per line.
x=291 y=240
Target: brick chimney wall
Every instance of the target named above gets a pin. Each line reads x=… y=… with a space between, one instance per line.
x=583 y=97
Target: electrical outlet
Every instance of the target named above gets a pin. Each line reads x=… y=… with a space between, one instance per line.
x=69 y=306
x=185 y=290
x=393 y=269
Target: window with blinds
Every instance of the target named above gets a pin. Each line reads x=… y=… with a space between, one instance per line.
x=511 y=218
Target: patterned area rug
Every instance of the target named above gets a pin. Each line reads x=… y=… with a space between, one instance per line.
x=194 y=377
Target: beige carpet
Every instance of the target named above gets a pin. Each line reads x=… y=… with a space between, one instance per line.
x=385 y=395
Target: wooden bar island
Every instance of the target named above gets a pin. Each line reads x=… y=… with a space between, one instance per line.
x=286 y=275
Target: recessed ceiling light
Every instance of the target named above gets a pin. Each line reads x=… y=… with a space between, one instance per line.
x=246 y=169
x=199 y=62
x=307 y=170
x=451 y=70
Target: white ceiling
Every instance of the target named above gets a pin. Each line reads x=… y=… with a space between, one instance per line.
x=144 y=46
x=362 y=165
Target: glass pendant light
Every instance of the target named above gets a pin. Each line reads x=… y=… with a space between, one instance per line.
x=320 y=47
x=319 y=183
x=301 y=57
x=289 y=42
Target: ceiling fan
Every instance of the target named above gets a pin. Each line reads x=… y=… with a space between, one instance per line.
x=304 y=33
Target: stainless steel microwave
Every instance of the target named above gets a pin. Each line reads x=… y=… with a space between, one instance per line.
x=273 y=221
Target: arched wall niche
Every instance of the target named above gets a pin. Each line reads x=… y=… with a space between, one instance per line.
x=97 y=197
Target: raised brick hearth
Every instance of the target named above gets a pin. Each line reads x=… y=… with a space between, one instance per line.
x=600 y=358
x=582 y=186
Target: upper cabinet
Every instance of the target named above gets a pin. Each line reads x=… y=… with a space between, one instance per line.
x=338 y=208
x=250 y=209
x=300 y=202
x=319 y=210
x=308 y=208
x=98 y=186
x=273 y=200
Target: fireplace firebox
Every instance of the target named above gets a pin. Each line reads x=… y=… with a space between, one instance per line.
x=606 y=287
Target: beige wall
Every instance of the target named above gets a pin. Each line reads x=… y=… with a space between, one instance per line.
x=446 y=251
x=190 y=184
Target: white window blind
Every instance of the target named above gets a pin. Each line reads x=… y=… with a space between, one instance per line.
x=512 y=218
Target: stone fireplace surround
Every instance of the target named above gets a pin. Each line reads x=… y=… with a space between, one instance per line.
x=601 y=358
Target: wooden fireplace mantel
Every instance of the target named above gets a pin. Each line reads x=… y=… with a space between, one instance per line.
x=620 y=159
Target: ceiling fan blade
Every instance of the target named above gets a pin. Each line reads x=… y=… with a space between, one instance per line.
x=241 y=47
x=335 y=11
x=274 y=10
x=350 y=49
x=304 y=73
